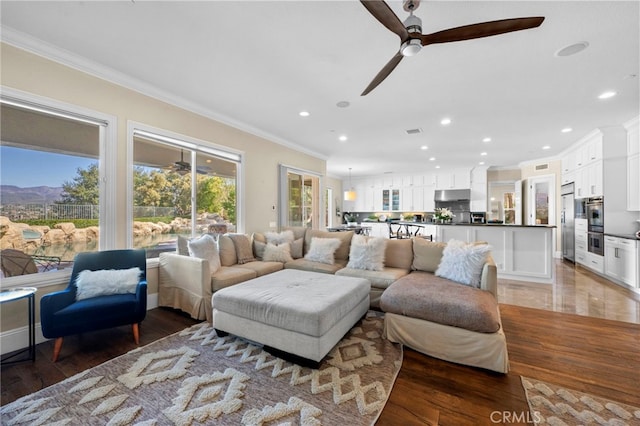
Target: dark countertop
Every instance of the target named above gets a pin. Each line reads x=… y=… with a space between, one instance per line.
x=464 y=224
x=626 y=236
x=491 y=224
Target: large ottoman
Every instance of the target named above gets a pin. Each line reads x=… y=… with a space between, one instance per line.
x=295 y=312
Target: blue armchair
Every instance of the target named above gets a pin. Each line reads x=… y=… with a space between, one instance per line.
x=62 y=315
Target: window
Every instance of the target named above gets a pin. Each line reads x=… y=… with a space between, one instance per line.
x=51 y=198
x=300 y=198
x=180 y=187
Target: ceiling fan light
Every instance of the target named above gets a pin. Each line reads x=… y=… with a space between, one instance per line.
x=411 y=47
x=182 y=172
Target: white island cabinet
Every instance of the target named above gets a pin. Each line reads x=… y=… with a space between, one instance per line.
x=522 y=253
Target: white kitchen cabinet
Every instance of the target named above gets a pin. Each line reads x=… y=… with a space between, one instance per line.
x=621 y=260
x=428 y=200
x=407 y=201
x=589 y=180
x=581 y=241
x=633 y=182
x=456 y=179
x=378 y=229
x=633 y=164
x=478 y=189
x=569 y=162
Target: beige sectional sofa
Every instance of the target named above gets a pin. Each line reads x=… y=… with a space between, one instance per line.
x=186 y=283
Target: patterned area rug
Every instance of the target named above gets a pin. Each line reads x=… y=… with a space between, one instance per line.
x=554 y=405
x=194 y=377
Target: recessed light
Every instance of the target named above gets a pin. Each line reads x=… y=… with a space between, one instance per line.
x=483 y=153
x=572 y=49
x=607 y=95
x=567 y=130
x=437 y=167
x=445 y=121
x=481 y=163
x=304 y=113
x=486 y=140
x=432 y=159
x=343 y=104
x=546 y=147
x=342 y=138
x=424 y=147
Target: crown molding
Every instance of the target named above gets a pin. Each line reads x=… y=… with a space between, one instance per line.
x=48 y=51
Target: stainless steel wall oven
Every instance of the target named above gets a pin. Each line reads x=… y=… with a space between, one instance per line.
x=595 y=214
x=595 y=225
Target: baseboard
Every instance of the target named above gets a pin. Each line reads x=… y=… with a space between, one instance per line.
x=18 y=338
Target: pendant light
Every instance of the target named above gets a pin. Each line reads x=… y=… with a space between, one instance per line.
x=350 y=194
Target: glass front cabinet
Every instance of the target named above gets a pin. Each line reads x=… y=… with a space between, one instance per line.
x=390 y=200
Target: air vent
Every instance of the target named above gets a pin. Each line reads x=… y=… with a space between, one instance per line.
x=413 y=131
x=542 y=166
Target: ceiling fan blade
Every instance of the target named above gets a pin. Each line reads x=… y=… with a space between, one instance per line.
x=384 y=73
x=383 y=13
x=484 y=29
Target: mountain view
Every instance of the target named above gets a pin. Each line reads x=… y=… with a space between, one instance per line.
x=10 y=194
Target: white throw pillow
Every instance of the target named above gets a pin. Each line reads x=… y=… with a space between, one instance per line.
x=206 y=248
x=322 y=250
x=277 y=238
x=462 y=262
x=277 y=253
x=367 y=253
x=106 y=282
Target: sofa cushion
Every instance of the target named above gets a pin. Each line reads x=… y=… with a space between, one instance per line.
x=367 y=253
x=309 y=265
x=462 y=262
x=262 y=267
x=342 y=253
x=426 y=255
x=378 y=279
x=227 y=251
x=244 y=249
x=423 y=295
x=399 y=254
x=230 y=275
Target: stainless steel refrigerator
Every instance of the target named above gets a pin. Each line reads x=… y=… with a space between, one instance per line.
x=568 y=222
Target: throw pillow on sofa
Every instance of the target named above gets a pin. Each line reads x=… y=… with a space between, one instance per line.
x=286 y=236
x=205 y=248
x=244 y=251
x=277 y=238
x=277 y=253
x=323 y=250
x=367 y=253
x=462 y=262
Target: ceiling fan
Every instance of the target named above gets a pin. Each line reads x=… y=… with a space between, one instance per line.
x=182 y=167
x=412 y=39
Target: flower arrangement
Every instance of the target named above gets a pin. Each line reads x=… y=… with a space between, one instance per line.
x=444 y=214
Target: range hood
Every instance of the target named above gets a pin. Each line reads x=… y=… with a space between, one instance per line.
x=452 y=195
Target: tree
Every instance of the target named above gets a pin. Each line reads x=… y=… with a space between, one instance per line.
x=84 y=189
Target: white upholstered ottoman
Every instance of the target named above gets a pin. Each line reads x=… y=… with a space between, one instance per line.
x=292 y=311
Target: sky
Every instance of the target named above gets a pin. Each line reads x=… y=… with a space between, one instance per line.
x=26 y=168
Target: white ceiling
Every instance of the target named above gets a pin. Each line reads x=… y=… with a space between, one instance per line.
x=256 y=65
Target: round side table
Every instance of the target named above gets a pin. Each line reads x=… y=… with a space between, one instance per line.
x=11 y=295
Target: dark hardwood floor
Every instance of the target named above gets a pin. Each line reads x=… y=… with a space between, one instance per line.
x=592 y=355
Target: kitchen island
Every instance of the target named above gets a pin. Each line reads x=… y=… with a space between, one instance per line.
x=521 y=252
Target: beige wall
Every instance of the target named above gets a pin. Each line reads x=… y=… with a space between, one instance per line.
x=30 y=73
